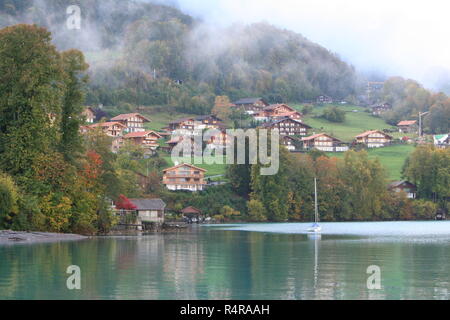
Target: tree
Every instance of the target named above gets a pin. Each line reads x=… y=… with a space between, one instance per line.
x=31 y=91
x=75 y=80
x=256 y=211
x=9 y=197
x=124 y=203
x=222 y=108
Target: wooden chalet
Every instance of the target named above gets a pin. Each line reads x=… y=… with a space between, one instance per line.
x=408 y=126
x=147 y=139
x=251 y=105
x=88 y=115
x=324 y=142
x=374 y=139
x=184 y=177
x=182 y=126
x=277 y=111
x=134 y=122
x=324 y=99
x=379 y=109
x=288 y=127
x=112 y=129
x=409 y=188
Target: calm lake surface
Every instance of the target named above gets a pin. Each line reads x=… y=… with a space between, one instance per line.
x=245 y=261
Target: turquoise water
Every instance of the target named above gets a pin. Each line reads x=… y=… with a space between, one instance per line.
x=245 y=261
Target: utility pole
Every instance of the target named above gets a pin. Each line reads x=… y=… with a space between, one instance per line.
x=420 y=121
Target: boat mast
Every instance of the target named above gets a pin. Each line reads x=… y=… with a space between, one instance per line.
x=316 y=211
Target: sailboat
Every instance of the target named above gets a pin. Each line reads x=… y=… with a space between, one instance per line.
x=315 y=228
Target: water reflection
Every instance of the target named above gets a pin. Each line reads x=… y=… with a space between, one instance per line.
x=209 y=263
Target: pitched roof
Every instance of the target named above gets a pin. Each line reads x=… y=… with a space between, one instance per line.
x=248 y=101
x=184 y=164
x=182 y=120
x=319 y=135
x=141 y=134
x=365 y=134
x=126 y=116
x=191 y=209
x=269 y=124
x=396 y=184
x=106 y=124
x=277 y=105
x=406 y=122
x=148 y=204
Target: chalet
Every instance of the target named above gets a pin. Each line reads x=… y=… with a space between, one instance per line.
x=251 y=105
x=324 y=142
x=288 y=127
x=208 y=122
x=276 y=112
x=134 y=122
x=408 y=126
x=289 y=142
x=405 y=186
x=182 y=126
x=147 y=139
x=112 y=129
x=379 y=109
x=184 y=177
x=89 y=115
x=149 y=210
x=442 y=140
x=374 y=139
x=323 y=99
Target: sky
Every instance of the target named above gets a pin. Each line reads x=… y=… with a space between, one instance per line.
x=409 y=38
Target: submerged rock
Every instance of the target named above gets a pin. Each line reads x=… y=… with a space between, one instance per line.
x=9 y=236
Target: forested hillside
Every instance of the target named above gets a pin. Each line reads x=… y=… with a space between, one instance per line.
x=149 y=54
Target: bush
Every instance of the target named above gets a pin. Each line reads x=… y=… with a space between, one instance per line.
x=423 y=209
x=333 y=114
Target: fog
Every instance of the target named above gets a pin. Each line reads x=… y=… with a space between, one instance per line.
x=384 y=37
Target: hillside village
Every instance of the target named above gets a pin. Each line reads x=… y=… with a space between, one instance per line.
x=295 y=135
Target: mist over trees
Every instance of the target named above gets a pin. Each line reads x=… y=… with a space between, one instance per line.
x=149 y=54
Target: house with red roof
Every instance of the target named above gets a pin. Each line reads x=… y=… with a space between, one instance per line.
x=408 y=126
x=147 y=139
x=277 y=111
x=374 y=139
x=134 y=122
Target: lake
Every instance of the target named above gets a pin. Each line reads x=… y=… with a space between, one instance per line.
x=240 y=261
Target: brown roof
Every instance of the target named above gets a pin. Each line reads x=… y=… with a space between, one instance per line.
x=407 y=122
x=191 y=209
x=126 y=116
x=184 y=164
x=106 y=124
x=141 y=134
x=365 y=134
x=319 y=135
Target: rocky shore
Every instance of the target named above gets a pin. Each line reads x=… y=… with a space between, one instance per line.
x=10 y=237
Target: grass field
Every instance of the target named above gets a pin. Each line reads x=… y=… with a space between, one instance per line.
x=356 y=121
x=392 y=158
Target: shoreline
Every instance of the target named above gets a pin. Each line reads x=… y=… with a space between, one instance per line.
x=30 y=237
